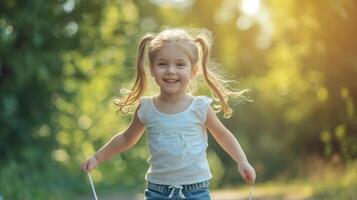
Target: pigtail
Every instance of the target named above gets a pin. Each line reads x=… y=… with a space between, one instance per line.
x=136 y=92
x=216 y=84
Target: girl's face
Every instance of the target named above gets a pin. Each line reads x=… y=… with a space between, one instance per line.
x=172 y=69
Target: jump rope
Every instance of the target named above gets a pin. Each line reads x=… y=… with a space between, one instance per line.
x=92 y=185
x=96 y=197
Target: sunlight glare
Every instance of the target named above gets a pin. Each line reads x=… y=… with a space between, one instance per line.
x=250 y=7
x=244 y=23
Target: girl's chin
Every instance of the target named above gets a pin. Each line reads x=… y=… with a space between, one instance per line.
x=172 y=91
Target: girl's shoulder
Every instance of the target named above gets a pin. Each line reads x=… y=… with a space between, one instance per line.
x=145 y=102
x=201 y=105
x=202 y=101
x=145 y=99
x=144 y=107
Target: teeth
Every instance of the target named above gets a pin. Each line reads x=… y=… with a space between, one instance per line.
x=170 y=81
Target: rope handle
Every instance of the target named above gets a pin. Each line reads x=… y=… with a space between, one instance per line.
x=92 y=185
x=251 y=192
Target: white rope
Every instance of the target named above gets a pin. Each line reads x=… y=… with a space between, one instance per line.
x=251 y=192
x=91 y=183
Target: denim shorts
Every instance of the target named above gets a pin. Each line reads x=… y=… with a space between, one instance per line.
x=197 y=191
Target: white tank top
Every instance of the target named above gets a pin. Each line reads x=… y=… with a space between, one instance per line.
x=177 y=143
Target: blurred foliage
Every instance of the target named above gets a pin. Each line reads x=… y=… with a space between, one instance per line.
x=334 y=182
x=62 y=62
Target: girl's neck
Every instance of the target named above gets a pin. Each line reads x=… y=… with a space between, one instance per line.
x=172 y=104
x=173 y=98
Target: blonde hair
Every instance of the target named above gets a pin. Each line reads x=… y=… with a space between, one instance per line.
x=218 y=87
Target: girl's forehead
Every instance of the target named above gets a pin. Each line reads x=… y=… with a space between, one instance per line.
x=172 y=51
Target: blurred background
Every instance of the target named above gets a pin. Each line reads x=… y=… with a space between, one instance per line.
x=63 y=62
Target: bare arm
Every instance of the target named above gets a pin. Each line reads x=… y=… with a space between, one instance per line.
x=231 y=145
x=120 y=142
x=224 y=137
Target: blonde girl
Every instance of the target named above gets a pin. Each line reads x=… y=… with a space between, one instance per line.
x=175 y=120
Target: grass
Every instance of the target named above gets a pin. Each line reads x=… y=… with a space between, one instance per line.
x=339 y=186
x=321 y=181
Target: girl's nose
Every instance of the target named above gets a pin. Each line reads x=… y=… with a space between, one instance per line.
x=171 y=69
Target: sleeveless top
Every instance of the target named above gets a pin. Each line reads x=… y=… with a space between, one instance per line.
x=177 y=142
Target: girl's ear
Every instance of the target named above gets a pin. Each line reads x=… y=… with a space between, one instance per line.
x=194 y=71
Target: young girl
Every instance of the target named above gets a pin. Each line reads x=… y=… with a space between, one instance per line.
x=176 y=121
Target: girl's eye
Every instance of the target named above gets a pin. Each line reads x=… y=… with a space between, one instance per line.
x=181 y=64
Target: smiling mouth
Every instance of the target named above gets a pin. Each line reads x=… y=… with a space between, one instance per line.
x=170 y=81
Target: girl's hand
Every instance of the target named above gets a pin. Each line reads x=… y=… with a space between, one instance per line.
x=89 y=164
x=247 y=172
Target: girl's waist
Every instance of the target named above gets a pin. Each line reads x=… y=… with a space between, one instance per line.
x=167 y=188
x=179 y=177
